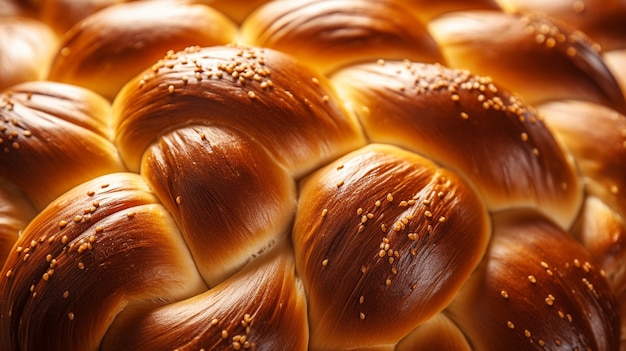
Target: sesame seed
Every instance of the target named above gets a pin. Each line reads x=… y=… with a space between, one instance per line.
x=325 y=263
x=70 y=316
x=324 y=212
x=362 y=316
x=510 y=325
x=504 y=294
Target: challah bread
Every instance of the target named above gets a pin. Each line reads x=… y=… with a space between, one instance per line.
x=315 y=32
x=244 y=197
x=537 y=288
x=105 y=246
x=602 y=20
x=106 y=49
x=54 y=136
x=533 y=55
x=15 y=8
x=380 y=230
x=265 y=93
x=438 y=333
x=603 y=231
x=262 y=307
x=460 y=119
x=28 y=47
x=15 y=213
x=62 y=15
x=615 y=61
x=602 y=157
x=427 y=10
x=237 y=11
x=228 y=208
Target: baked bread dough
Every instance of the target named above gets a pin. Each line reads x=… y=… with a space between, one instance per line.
x=312 y=175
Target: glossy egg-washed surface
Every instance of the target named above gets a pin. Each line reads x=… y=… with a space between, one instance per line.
x=312 y=175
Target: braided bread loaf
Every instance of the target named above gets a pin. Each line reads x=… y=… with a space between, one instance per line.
x=313 y=175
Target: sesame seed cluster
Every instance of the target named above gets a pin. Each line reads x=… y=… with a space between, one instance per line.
x=312 y=175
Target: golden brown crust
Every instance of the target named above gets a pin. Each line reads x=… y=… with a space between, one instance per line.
x=104 y=245
x=616 y=61
x=291 y=110
x=262 y=307
x=231 y=200
x=17 y=8
x=113 y=45
x=238 y=11
x=437 y=334
x=383 y=240
x=537 y=287
x=27 y=48
x=16 y=212
x=533 y=55
x=53 y=137
x=428 y=10
x=298 y=195
x=62 y=15
x=316 y=33
x=603 y=232
x=596 y=137
x=602 y=20
x=466 y=122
